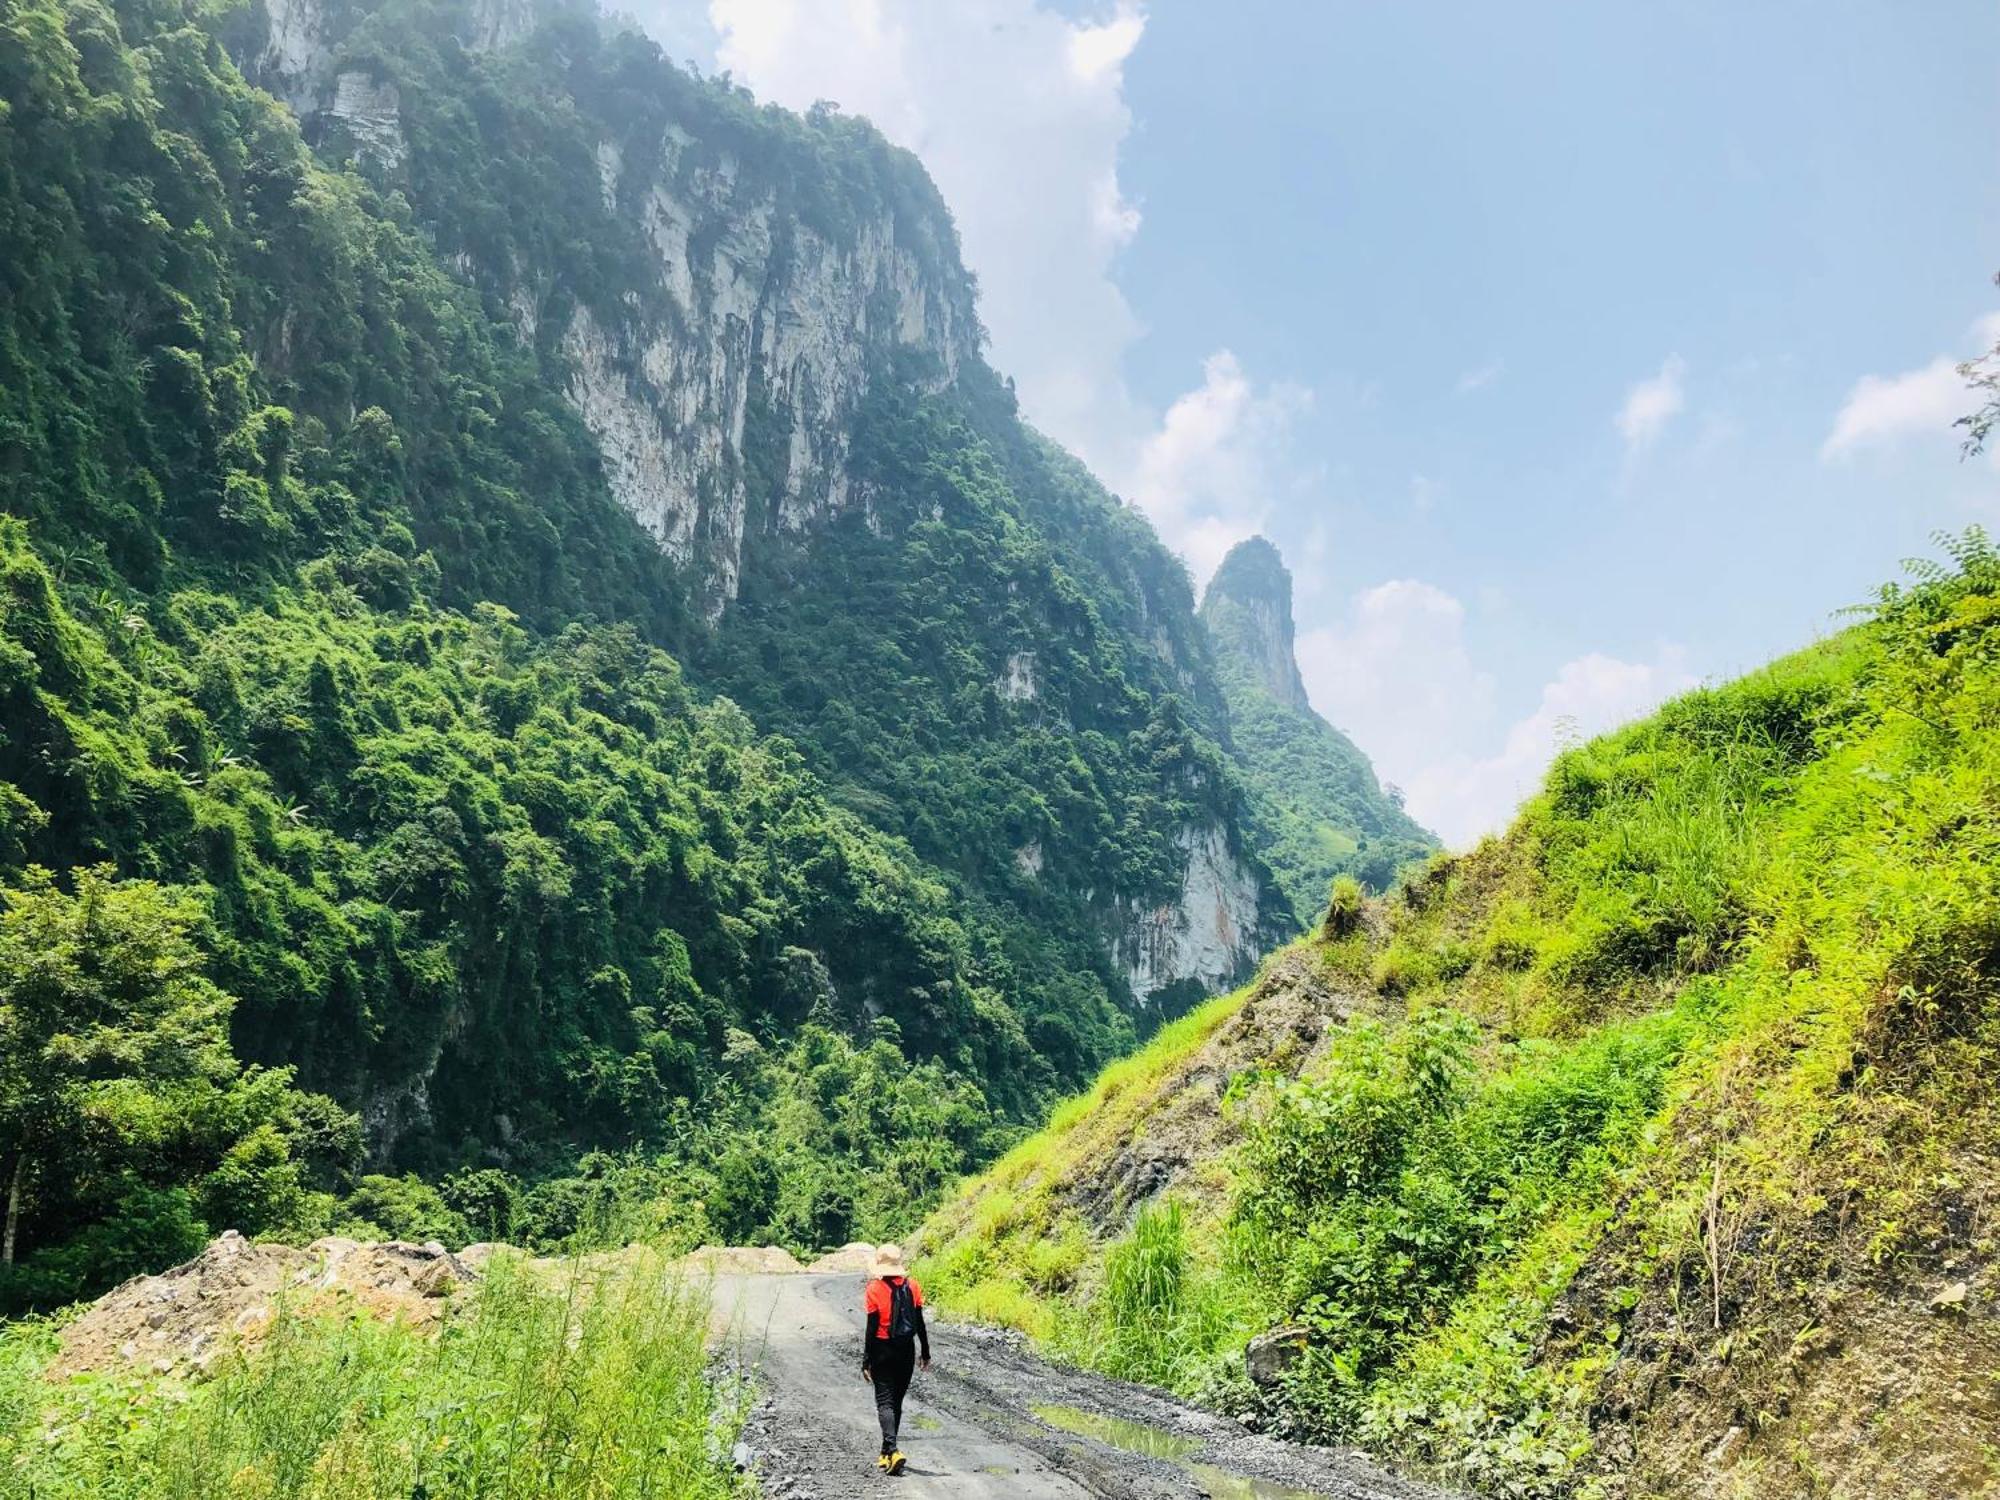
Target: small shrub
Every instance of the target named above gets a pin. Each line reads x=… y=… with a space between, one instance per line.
x=1512 y=939
x=1344 y=907
x=1406 y=968
x=1398 y=970
x=1053 y=1263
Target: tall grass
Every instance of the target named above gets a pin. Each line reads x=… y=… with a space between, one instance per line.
x=585 y=1384
x=1145 y=1281
x=1164 y=1314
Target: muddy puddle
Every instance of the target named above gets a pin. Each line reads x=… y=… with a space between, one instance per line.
x=1156 y=1442
x=1222 y=1485
x=1133 y=1437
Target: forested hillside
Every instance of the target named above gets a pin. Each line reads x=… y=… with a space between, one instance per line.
x=764 y=321
x=1315 y=804
x=1648 y=1150
x=535 y=652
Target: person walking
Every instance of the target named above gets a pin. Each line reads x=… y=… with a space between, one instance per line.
x=894 y=1346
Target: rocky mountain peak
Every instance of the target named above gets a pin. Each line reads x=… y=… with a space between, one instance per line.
x=1248 y=612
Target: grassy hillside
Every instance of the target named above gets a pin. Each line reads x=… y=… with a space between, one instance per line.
x=1650 y=1149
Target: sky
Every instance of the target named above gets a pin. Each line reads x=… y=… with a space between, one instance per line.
x=1573 y=354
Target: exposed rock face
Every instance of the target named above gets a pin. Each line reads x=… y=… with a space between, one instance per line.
x=295 y=51
x=751 y=351
x=1317 y=809
x=1250 y=598
x=1017 y=683
x=774 y=321
x=296 y=59
x=370 y=109
x=1210 y=934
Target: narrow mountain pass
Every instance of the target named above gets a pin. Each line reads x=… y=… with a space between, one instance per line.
x=991 y=1419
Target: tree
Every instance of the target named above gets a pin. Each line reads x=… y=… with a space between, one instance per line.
x=1983 y=375
x=117 y=1082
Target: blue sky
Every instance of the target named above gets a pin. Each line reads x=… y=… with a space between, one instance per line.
x=1571 y=353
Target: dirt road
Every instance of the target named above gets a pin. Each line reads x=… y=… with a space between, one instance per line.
x=991 y=1420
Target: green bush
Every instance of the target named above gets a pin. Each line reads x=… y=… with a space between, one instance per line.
x=1343 y=911
x=1375 y=1189
x=403 y=1208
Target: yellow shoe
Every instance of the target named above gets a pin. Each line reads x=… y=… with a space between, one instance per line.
x=882 y=1463
x=895 y=1463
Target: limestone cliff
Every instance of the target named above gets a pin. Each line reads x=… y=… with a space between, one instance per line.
x=742 y=321
x=1248 y=611
x=1210 y=932
x=742 y=304
x=1317 y=809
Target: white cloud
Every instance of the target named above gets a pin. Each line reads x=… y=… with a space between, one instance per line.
x=1464 y=796
x=1483 y=376
x=1208 y=474
x=1397 y=676
x=1653 y=403
x=1884 y=409
x=1095 y=51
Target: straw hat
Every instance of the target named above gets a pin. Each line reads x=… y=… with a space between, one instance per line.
x=889 y=1260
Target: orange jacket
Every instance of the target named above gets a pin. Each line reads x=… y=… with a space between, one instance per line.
x=879 y=1305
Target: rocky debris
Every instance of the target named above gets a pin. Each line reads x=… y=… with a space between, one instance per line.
x=235 y=1289
x=1280 y=1027
x=1726 y=1448
x=1951 y=1298
x=476 y=1256
x=737 y=1260
x=1269 y=1355
x=857 y=1257
x=395 y=1269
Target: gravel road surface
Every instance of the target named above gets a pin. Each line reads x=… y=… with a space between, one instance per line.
x=989 y=1419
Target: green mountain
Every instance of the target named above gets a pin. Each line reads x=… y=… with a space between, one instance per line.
x=1641 y=1151
x=536 y=653
x=1316 y=808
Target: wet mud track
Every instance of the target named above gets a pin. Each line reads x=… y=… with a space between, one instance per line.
x=989 y=1419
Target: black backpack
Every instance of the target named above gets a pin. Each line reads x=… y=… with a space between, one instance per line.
x=902 y=1309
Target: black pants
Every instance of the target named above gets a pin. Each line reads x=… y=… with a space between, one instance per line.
x=893 y=1362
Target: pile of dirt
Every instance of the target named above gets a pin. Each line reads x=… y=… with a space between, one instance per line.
x=858 y=1258
x=740 y=1260
x=233 y=1291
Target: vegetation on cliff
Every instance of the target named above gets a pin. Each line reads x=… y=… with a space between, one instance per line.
x=331 y=669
